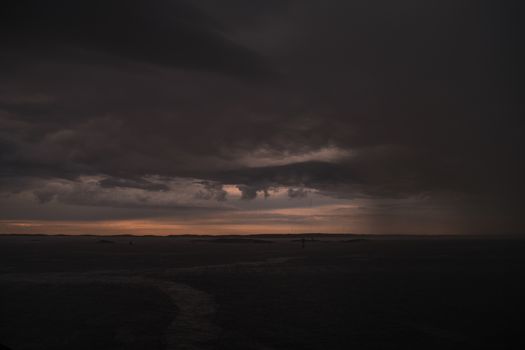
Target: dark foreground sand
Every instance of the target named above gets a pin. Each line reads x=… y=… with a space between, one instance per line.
x=187 y=293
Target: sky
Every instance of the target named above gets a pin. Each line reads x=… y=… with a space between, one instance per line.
x=276 y=116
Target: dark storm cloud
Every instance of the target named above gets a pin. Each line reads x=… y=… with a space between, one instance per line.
x=44 y=196
x=212 y=190
x=425 y=96
x=167 y=33
x=310 y=174
x=297 y=193
x=248 y=192
x=158 y=193
x=142 y=184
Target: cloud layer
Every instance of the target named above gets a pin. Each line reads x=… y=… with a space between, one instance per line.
x=363 y=100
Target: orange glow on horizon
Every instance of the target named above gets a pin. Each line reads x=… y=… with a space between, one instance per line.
x=158 y=228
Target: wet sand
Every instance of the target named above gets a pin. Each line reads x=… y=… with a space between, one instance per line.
x=203 y=293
